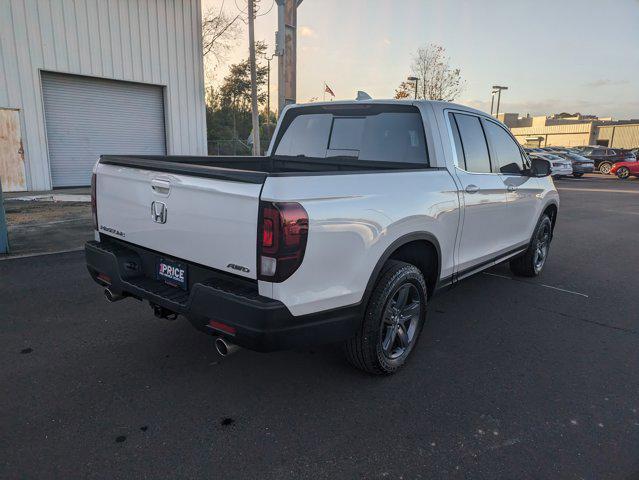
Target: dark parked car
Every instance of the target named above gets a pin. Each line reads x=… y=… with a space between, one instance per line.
x=580 y=164
x=605 y=157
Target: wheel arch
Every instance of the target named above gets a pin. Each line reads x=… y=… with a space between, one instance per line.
x=420 y=249
x=551 y=210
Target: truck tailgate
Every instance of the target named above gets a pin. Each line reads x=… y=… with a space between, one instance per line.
x=201 y=219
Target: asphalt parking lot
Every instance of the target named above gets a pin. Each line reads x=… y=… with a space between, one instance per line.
x=511 y=378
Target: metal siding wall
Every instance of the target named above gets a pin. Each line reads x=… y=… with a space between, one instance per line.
x=88 y=117
x=148 y=41
x=604 y=133
x=627 y=136
x=624 y=136
x=571 y=128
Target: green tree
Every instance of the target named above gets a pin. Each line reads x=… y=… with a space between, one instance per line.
x=228 y=108
x=235 y=90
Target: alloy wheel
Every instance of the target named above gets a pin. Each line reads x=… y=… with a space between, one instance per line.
x=541 y=247
x=400 y=321
x=623 y=172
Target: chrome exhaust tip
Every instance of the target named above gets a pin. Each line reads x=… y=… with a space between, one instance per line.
x=111 y=296
x=224 y=347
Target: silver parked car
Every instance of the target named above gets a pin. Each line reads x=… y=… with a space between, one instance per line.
x=560 y=167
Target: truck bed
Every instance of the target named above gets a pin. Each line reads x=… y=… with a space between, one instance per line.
x=250 y=169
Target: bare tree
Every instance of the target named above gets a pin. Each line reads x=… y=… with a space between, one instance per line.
x=437 y=80
x=219 y=33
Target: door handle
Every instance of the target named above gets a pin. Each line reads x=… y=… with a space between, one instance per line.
x=511 y=188
x=163 y=187
x=472 y=188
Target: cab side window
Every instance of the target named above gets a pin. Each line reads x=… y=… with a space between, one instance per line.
x=506 y=153
x=477 y=159
x=461 y=160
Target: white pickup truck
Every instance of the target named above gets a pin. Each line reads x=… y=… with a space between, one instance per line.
x=357 y=215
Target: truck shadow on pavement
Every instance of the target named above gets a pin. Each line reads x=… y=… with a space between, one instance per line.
x=504 y=378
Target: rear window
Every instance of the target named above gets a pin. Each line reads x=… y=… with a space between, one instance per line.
x=307 y=136
x=385 y=136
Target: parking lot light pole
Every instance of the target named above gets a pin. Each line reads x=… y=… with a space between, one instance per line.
x=492 y=101
x=414 y=79
x=4 y=234
x=498 y=89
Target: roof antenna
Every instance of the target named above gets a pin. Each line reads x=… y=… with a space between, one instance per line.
x=363 y=96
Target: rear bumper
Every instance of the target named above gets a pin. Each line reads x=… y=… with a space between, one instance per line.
x=560 y=171
x=260 y=323
x=583 y=168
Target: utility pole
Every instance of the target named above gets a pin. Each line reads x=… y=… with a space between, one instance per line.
x=255 y=112
x=498 y=89
x=268 y=95
x=286 y=45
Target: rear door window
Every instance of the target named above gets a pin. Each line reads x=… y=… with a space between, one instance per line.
x=395 y=136
x=474 y=143
x=505 y=150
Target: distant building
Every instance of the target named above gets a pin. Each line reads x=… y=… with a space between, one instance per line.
x=571 y=130
x=619 y=135
x=83 y=78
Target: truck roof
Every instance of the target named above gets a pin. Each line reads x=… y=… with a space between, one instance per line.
x=436 y=104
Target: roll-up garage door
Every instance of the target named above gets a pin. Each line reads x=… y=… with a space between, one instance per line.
x=88 y=117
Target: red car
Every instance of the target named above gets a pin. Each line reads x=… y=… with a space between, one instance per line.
x=625 y=169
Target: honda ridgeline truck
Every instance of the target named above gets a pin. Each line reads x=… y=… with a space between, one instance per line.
x=359 y=212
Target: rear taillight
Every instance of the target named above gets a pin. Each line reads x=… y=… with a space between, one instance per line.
x=283 y=231
x=94 y=204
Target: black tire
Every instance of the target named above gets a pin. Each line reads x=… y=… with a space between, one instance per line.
x=532 y=262
x=577 y=175
x=604 y=167
x=374 y=349
x=623 y=173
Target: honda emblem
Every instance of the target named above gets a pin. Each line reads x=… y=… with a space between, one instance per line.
x=158 y=212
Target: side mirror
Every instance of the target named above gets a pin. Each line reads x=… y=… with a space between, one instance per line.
x=539 y=168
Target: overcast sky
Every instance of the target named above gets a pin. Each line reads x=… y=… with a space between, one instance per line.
x=554 y=55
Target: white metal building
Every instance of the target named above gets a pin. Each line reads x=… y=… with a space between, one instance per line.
x=81 y=78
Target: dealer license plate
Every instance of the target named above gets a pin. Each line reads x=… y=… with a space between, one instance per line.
x=173 y=273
